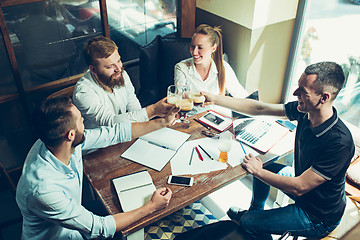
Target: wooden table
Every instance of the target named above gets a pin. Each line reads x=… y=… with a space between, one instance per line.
x=105 y=164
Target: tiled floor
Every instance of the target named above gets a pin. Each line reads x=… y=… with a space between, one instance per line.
x=194 y=215
x=197 y=214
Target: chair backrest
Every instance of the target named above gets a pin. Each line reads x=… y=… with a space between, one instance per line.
x=352 y=189
x=157 y=61
x=5 y=174
x=68 y=92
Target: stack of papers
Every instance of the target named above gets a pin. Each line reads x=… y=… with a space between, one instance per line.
x=180 y=162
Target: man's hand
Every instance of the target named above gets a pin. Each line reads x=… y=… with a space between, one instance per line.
x=252 y=164
x=160 y=109
x=209 y=98
x=160 y=198
x=171 y=116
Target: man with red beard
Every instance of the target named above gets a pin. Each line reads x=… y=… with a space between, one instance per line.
x=323 y=150
x=105 y=94
x=49 y=191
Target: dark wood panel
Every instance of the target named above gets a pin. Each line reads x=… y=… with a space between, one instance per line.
x=187 y=18
x=6 y=3
x=104 y=18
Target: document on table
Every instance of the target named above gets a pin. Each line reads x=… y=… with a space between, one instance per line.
x=180 y=162
x=155 y=149
x=134 y=190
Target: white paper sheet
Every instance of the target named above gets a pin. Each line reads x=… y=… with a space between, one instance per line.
x=180 y=162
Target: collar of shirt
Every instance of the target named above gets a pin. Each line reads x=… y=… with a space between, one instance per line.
x=46 y=155
x=325 y=126
x=193 y=72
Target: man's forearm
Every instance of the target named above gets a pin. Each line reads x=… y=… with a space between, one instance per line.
x=141 y=128
x=296 y=186
x=284 y=183
x=150 y=110
x=249 y=106
x=127 y=218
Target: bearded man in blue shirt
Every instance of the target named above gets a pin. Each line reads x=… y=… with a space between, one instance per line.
x=50 y=188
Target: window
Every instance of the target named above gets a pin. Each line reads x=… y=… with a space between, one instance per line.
x=41 y=44
x=136 y=24
x=330 y=33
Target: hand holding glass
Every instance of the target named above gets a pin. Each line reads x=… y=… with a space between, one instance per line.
x=185 y=102
x=172 y=94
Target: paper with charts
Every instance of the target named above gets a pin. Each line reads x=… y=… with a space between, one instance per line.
x=180 y=162
x=155 y=149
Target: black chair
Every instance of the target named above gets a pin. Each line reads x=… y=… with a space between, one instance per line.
x=157 y=61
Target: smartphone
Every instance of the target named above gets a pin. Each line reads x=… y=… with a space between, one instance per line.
x=182 y=181
x=289 y=125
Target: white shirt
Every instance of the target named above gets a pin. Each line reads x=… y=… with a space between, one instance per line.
x=49 y=192
x=101 y=108
x=185 y=71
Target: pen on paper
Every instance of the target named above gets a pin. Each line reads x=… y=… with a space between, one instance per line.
x=192 y=153
x=242 y=146
x=144 y=185
x=198 y=152
x=159 y=145
x=206 y=152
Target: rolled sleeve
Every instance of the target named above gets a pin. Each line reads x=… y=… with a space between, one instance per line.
x=103 y=226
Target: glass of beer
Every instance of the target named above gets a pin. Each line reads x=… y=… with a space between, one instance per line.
x=185 y=102
x=172 y=94
x=198 y=99
x=224 y=145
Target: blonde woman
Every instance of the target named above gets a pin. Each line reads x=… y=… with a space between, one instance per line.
x=206 y=70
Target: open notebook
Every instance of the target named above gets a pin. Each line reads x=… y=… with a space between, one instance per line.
x=155 y=149
x=134 y=190
x=259 y=133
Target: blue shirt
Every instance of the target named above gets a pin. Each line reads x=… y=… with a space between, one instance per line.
x=49 y=192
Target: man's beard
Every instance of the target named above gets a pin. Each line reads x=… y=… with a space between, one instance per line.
x=112 y=81
x=79 y=139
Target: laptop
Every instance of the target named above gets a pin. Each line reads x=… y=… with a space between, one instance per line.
x=258 y=133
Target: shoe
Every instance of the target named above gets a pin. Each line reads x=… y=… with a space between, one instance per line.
x=235 y=213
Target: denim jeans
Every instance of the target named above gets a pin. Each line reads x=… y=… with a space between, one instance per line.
x=260 y=224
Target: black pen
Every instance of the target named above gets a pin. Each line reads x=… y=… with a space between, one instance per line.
x=207 y=127
x=206 y=152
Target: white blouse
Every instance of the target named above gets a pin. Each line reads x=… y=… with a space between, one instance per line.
x=185 y=72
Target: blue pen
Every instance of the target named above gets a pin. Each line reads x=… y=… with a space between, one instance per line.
x=242 y=146
x=159 y=145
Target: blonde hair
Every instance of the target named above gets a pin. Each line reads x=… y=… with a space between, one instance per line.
x=215 y=38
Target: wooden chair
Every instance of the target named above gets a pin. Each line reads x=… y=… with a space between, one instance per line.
x=68 y=92
x=15 y=217
x=352 y=189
